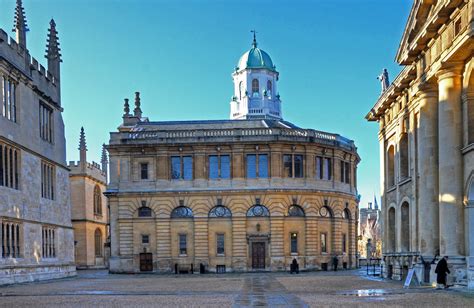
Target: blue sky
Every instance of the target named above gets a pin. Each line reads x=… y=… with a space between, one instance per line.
x=180 y=56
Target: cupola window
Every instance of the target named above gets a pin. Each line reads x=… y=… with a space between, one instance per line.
x=255 y=87
x=241 y=89
x=269 y=88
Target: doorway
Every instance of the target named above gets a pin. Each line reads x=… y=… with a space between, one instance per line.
x=258 y=255
x=146 y=262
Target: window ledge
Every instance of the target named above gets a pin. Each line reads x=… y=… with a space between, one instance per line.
x=294 y=254
x=404 y=181
x=391 y=188
x=220 y=255
x=183 y=255
x=468 y=148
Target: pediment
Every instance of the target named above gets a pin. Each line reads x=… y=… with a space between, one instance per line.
x=420 y=13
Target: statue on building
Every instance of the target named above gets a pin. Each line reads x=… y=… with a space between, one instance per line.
x=384 y=81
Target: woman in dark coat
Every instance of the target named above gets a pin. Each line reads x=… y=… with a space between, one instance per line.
x=442 y=270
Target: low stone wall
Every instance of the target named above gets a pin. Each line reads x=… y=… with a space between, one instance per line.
x=35 y=273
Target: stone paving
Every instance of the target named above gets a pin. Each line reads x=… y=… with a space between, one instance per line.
x=316 y=289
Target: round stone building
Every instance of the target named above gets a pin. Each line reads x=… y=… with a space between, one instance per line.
x=251 y=193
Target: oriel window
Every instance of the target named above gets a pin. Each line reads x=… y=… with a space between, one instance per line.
x=182 y=167
x=219 y=166
x=293 y=165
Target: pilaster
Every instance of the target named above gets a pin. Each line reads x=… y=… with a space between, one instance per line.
x=163 y=244
x=239 y=244
x=201 y=240
x=277 y=253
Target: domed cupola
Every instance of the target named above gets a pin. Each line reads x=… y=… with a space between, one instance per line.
x=255 y=86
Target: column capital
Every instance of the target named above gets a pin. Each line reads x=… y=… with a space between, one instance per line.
x=427 y=89
x=450 y=70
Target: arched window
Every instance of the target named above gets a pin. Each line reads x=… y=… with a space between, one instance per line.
x=220 y=211
x=405 y=227
x=258 y=211
x=296 y=211
x=269 y=88
x=346 y=214
x=404 y=157
x=97 y=200
x=241 y=85
x=144 y=211
x=390 y=166
x=98 y=242
x=255 y=87
x=182 y=212
x=325 y=211
x=391 y=230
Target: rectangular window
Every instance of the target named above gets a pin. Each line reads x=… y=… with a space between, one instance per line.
x=145 y=239
x=10 y=240
x=293 y=166
x=9 y=166
x=47 y=180
x=46 y=122
x=220 y=244
x=257 y=166
x=182 y=167
x=345 y=172
x=144 y=171
x=323 y=168
x=182 y=244
x=294 y=242
x=219 y=166
x=324 y=247
x=8 y=99
x=344 y=243
x=48 y=243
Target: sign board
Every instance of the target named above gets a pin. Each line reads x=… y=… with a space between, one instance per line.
x=411 y=275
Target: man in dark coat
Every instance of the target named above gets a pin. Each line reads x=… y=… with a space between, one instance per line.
x=442 y=270
x=335 y=261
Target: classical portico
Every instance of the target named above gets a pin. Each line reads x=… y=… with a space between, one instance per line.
x=426 y=138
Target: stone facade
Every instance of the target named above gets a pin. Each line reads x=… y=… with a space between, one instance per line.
x=427 y=144
x=35 y=213
x=370 y=231
x=230 y=195
x=89 y=210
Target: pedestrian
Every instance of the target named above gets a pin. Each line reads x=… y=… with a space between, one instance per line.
x=335 y=261
x=294 y=267
x=442 y=270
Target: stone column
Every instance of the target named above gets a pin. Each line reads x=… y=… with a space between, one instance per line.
x=428 y=211
x=451 y=223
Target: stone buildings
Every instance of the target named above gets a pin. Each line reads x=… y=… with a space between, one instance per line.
x=89 y=209
x=426 y=119
x=370 y=231
x=250 y=193
x=35 y=213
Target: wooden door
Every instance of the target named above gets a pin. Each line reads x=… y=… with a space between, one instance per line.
x=146 y=262
x=258 y=255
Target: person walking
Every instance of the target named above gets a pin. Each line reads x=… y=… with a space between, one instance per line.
x=335 y=261
x=442 y=270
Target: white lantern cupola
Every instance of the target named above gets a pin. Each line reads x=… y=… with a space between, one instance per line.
x=255 y=87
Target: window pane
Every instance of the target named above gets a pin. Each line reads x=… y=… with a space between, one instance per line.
x=348 y=172
x=144 y=171
x=220 y=244
x=287 y=166
x=344 y=243
x=251 y=166
x=213 y=167
x=225 y=166
x=329 y=168
x=263 y=166
x=145 y=239
x=294 y=242
x=182 y=244
x=323 y=242
x=188 y=167
x=175 y=167
x=318 y=167
x=298 y=166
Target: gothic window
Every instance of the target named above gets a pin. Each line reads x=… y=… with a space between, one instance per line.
x=9 y=166
x=255 y=87
x=295 y=211
x=48 y=242
x=46 y=122
x=220 y=244
x=182 y=212
x=293 y=165
x=144 y=211
x=47 y=180
x=257 y=166
x=405 y=227
x=97 y=200
x=258 y=211
x=144 y=171
x=324 y=247
x=182 y=167
x=219 y=167
x=294 y=242
x=8 y=99
x=404 y=157
x=323 y=168
x=220 y=211
x=269 y=88
x=10 y=240
x=98 y=243
x=391 y=230
x=390 y=166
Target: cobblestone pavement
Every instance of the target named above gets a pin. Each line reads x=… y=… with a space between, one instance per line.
x=316 y=289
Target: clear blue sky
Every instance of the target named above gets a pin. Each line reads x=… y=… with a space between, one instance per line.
x=180 y=56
